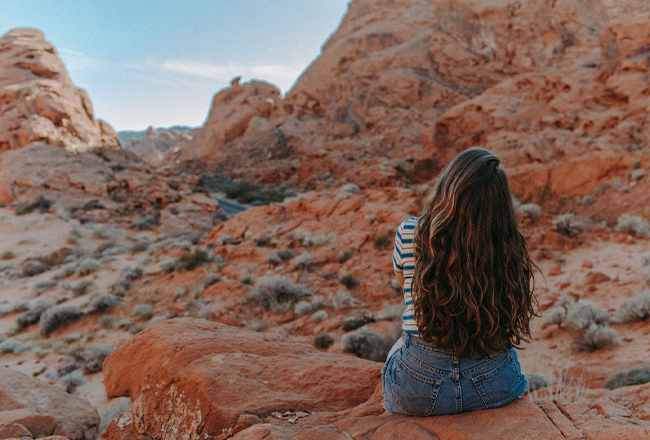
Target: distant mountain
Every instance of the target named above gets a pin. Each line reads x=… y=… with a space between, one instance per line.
x=127 y=135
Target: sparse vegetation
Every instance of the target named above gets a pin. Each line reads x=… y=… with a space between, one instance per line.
x=303 y=307
x=34 y=267
x=530 y=211
x=102 y=302
x=342 y=299
x=303 y=261
x=634 y=309
x=192 y=260
x=632 y=224
x=33 y=314
x=88 y=266
x=354 y=322
x=58 y=316
x=536 y=382
x=323 y=340
x=567 y=224
x=595 y=337
x=634 y=376
x=347 y=191
x=319 y=316
x=71 y=381
x=348 y=280
x=11 y=346
x=278 y=256
x=589 y=321
x=277 y=293
x=382 y=241
x=367 y=345
x=143 y=311
x=41 y=204
x=345 y=255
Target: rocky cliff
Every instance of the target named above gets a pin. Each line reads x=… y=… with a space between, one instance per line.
x=39 y=102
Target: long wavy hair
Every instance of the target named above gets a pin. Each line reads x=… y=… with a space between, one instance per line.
x=473 y=284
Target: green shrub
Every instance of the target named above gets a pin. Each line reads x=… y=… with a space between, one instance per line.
x=192 y=260
x=634 y=376
x=367 y=345
x=323 y=340
x=58 y=316
x=277 y=293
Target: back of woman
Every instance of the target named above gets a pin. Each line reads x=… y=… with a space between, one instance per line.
x=468 y=290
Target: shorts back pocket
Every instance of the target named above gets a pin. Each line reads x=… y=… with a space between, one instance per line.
x=414 y=393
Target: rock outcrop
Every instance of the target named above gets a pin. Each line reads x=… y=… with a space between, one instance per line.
x=33 y=409
x=39 y=102
x=103 y=185
x=159 y=147
x=195 y=379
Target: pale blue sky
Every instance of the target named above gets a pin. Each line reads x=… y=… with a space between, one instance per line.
x=159 y=62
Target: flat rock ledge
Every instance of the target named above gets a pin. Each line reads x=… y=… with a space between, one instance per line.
x=194 y=379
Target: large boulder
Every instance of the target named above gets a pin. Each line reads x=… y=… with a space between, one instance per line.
x=39 y=102
x=42 y=410
x=195 y=379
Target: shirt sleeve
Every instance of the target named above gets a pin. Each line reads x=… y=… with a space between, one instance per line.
x=397 y=250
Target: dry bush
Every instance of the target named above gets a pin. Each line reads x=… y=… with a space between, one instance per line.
x=632 y=224
x=595 y=337
x=303 y=261
x=367 y=345
x=567 y=224
x=530 y=211
x=58 y=316
x=323 y=340
x=634 y=376
x=634 y=309
x=277 y=293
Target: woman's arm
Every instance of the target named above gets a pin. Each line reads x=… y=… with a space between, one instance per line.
x=397 y=256
x=400 y=278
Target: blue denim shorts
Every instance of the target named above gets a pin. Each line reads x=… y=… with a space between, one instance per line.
x=420 y=380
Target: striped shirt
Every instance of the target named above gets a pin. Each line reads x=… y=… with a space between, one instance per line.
x=404 y=262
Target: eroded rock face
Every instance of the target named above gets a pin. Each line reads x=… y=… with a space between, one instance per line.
x=42 y=410
x=38 y=101
x=195 y=379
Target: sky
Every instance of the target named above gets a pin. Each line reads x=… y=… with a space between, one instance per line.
x=159 y=62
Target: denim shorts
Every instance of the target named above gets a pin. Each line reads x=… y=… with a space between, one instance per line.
x=420 y=380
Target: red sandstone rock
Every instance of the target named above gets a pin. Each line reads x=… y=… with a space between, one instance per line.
x=38 y=101
x=43 y=410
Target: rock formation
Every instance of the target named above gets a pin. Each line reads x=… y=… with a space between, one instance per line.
x=159 y=147
x=29 y=408
x=39 y=102
x=218 y=382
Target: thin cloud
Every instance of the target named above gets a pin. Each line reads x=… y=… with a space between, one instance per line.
x=77 y=61
x=280 y=74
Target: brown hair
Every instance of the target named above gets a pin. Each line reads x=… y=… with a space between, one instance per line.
x=473 y=284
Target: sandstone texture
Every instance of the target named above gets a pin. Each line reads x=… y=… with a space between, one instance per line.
x=33 y=409
x=221 y=382
x=39 y=102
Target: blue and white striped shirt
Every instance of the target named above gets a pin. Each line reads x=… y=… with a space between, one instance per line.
x=404 y=262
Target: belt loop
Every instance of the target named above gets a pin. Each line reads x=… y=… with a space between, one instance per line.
x=407 y=338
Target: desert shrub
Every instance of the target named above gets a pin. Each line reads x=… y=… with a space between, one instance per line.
x=65 y=271
x=107 y=321
x=367 y=345
x=303 y=307
x=348 y=280
x=92 y=357
x=88 y=266
x=247 y=192
x=11 y=346
x=634 y=309
x=634 y=376
x=280 y=255
x=382 y=241
x=303 y=261
x=309 y=240
x=34 y=267
x=41 y=204
x=132 y=273
x=391 y=312
x=584 y=314
x=319 y=316
x=81 y=288
x=102 y=302
x=632 y=224
x=354 y=322
x=323 y=340
x=530 y=210
x=262 y=241
x=586 y=200
x=536 y=382
x=277 y=293
x=556 y=315
x=342 y=299
x=594 y=337
x=140 y=246
x=43 y=286
x=169 y=264
x=8 y=255
x=566 y=224
x=192 y=260
x=121 y=287
x=143 y=311
x=33 y=314
x=247 y=278
x=20 y=306
x=71 y=381
x=347 y=191
x=58 y=316
x=345 y=255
